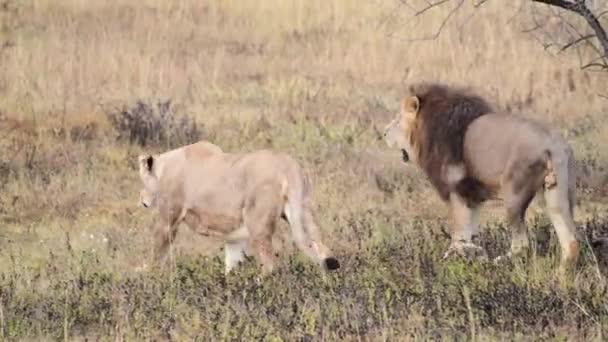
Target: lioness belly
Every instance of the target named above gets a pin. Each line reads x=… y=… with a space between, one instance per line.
x=214 y=224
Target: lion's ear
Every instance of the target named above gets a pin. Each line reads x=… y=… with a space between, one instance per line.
x=146 y=162
x=410 y=105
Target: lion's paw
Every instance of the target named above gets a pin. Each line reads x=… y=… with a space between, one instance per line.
x=467 y=250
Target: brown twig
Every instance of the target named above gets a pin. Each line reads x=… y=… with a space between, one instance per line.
x=575 y=37
x=443 y=23
x=582 y=10
x=576 y=41
x=430 y=6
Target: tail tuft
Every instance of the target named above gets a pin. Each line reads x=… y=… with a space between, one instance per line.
x=331 y=263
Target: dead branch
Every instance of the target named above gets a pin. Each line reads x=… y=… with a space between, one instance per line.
x=443 y=22
x=579 y=7
x=574 y=38
x=430 y=5
x=576 y=41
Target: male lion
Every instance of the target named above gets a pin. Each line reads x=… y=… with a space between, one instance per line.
x=235 y=197
x=471 y=154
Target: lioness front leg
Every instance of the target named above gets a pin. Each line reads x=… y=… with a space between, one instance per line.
x=464 y=224
x=164 y=235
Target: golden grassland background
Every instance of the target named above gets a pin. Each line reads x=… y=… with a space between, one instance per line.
x=317 y=79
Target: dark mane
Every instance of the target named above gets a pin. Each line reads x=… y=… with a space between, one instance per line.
x=445 y=114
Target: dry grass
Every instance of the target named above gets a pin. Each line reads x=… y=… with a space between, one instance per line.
x=313 y=78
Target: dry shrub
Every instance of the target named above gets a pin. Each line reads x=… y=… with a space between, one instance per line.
x=157 y=124
x=7 y=170
x=84 y=133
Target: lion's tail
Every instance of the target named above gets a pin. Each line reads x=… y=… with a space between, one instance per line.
x=305 y=231
x=560 y=183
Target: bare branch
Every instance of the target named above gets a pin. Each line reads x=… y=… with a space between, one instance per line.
x=479 y=3
x=576 y=41
x=392 y=13
x=560 y=3
x=431 y=5
x=597 y=62
x=581 y=9
x=571 y=35
x=443 y=23
x=408 y=5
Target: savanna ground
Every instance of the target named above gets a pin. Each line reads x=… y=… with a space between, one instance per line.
x=84 y=87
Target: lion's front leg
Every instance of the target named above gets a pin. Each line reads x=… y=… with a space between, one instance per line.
x=464 y=225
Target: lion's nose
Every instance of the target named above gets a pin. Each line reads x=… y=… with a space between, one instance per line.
x=144 y=204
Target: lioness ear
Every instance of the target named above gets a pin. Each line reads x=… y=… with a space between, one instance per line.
x=146 y=162
x=410 y=105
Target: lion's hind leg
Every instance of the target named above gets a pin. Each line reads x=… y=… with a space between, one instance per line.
x=517 y=199
x=559 y=211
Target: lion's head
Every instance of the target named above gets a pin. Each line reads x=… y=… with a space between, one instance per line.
x=149 y=193
x=398 y=133
x=430 y=129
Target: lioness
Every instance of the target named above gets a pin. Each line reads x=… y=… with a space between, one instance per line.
x=235 y=197
x=471 y=153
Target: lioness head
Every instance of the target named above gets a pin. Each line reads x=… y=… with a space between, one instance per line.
x=148 y=193
x=398 y=133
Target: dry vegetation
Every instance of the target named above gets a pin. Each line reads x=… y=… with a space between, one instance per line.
x=82 y=90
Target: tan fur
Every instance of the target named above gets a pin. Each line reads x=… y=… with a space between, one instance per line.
x=235 y=197
x=472 y=153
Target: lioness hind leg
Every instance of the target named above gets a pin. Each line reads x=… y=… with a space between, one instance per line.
x=234 y=253
x=318 y=248
x=261 y=240
x=261 y=213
